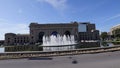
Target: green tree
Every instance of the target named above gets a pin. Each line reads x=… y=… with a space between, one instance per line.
x=104 y=35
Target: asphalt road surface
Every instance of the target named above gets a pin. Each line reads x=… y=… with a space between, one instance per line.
x=101 y=60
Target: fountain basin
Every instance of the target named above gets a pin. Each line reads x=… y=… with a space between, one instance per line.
x=58 y=43
x=59 y=47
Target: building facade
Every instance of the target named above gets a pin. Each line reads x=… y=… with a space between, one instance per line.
x=83 y=31
x=112 y=30
x=88 y=32
x=37 y=31
x=17 y=39
x=1 y=42
x=88 y=35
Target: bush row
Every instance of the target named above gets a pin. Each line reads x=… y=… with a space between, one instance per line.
x=116 y=42
x=23 y=48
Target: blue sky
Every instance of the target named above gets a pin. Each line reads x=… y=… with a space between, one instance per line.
x=16 y=15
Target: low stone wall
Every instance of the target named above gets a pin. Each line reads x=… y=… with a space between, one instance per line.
x=88 y=44
x=28 y=54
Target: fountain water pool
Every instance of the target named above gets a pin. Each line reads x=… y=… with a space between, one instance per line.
x=58 y=43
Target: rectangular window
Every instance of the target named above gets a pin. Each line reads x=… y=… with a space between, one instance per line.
x=82 y=27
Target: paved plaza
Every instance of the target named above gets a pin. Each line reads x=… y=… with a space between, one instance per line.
x=101 y=60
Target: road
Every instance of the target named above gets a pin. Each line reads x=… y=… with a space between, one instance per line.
x=101 y=60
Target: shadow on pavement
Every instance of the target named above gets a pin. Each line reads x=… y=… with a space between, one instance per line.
x=74 y=62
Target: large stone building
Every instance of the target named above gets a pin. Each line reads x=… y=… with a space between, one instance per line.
x=83 y=32
x=38 y=30
x=112 y=30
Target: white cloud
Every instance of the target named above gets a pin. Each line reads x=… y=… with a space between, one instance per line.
x=113 y=17
x=12 y=28
x=57 y=4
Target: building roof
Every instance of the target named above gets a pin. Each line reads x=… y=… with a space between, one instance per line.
x=22 y=34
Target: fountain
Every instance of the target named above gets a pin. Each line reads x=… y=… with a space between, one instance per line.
x=58 y=43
